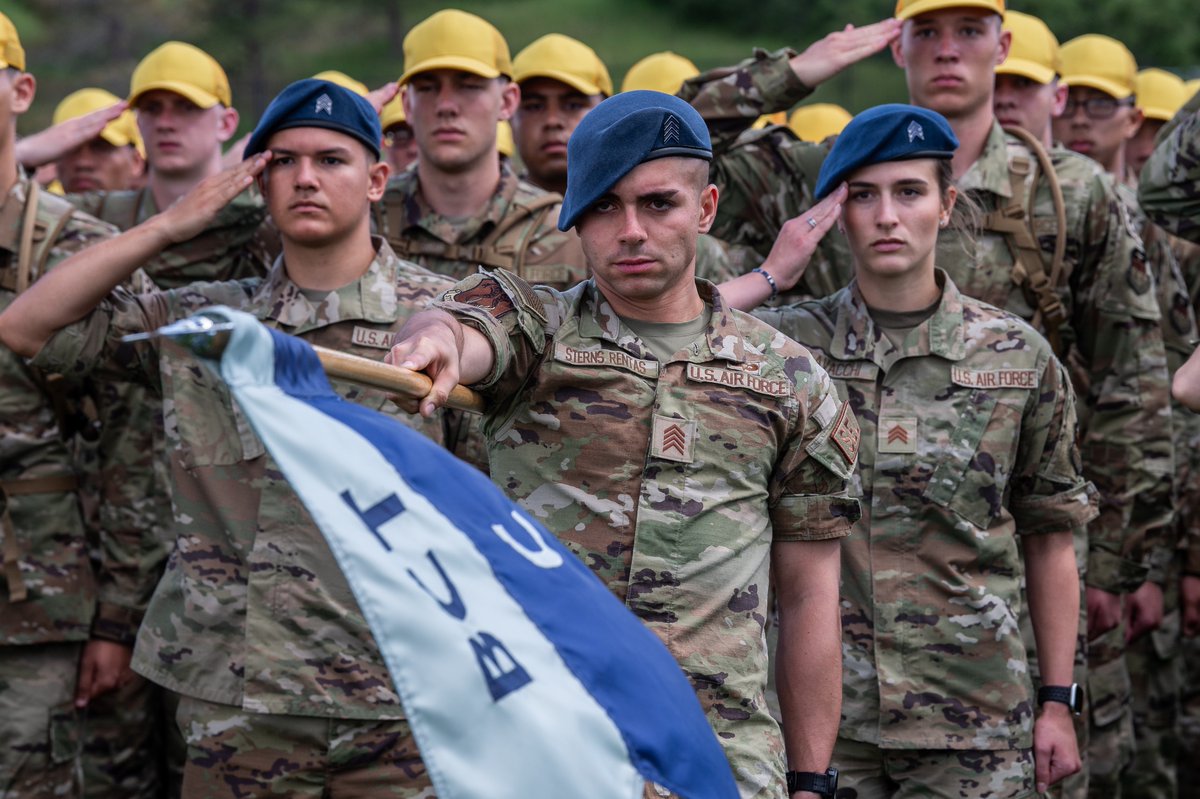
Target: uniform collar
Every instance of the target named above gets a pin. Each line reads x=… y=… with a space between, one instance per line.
x=371 y=298
x=723 y=339
x=990 y=170
x=418 y=212
x=855 y=337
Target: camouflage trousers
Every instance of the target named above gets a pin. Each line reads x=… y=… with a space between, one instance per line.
x=1189 y=722
x=1155 y=671
x=132 y=748
x=40 y=731
x=1110 y=744
x=235 y=754
x=868 y=772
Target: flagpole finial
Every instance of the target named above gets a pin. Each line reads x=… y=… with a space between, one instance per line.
x=202 y=334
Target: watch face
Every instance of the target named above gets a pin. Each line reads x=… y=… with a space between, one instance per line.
x=1076 y=699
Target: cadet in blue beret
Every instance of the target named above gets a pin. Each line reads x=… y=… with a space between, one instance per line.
x=719 y=440
x=315 y=155
x=968 y=442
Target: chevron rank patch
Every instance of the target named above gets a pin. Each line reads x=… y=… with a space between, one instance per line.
x=673 y=439
x=898 y=434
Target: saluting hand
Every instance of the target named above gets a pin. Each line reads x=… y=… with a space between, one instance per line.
x=53 y=143
x=799 y=237
x=193 y=213
x=380 y=97
x=825 y=58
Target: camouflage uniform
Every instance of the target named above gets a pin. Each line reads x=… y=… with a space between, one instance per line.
x=1169 y=189
x=50 y=601
x=252 y=612
x=670 y=480
x=969 y=433
x=1155 y=659
x=127 y=729
x=1110 y=336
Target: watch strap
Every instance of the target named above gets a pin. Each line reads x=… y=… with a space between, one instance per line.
x=821 y=783
x=1066 y=694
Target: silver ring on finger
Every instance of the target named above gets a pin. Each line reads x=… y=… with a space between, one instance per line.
x=812 y=223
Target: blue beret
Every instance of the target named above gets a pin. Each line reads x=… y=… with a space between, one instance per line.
x=313 y=103
x=625 y=130
x=893 y=132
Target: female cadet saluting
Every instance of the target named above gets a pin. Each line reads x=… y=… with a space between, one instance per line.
x=968 y=440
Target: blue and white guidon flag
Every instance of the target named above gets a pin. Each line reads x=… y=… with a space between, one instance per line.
x=520 y=673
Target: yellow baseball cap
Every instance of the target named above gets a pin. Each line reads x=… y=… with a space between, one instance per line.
x=778 y=118
x=504 y=139
x=1034 y=53
x=819 y=121
x=392 y=113
x=121 y=132
x=453 y=39
x=659 y=72
x=11 y=52
x=1191 y=87
x=184 y=69
x=343 y=80
x=1159 y=93
x=1099 y=62
x=907 y=9
x=563 y=59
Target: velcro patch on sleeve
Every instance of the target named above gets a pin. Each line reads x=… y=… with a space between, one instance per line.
x=486 y=293
x=846 y=435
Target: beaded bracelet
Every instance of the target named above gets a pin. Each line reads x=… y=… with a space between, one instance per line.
x=770 y=280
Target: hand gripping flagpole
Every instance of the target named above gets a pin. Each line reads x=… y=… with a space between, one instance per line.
x=207 y=338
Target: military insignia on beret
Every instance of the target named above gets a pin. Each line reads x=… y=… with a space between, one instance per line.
x=670 y=131
x=324 y=103
x=915 y=131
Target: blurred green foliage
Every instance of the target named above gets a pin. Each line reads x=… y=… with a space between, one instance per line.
x=265 y=44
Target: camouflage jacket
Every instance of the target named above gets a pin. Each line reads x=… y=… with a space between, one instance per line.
x=968 y=440
x=1111 y=336
x=50 y=547
x=1169 y=189
x=529 y=243
x=252 y=610
x=1179 y=335
x=672 y=481
x=240 y=243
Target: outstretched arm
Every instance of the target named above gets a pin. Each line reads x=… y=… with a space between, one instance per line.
x=448 y=351
x=72 y=289
x=53 y=143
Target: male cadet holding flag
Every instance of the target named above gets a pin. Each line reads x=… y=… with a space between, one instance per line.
x=680 y=448
x=1096 y=303
x=1136 y=757
x=284 y=689
x=65 y=633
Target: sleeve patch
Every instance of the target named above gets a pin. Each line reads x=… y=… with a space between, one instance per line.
x=846 y=434
x=488 y=295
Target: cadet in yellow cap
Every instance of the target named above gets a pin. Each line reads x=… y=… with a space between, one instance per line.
x=1158 y=95
x=1191 y=87
x=816 y=122
x=114 y=160
x=343 y=80
x=461 y=206
x=659 y=72
x=1028 y=91
x=1100 y=114
x=1079 y=276
x=399 y=143
x=65 y=632
x=1125 y=747
x=561 y=79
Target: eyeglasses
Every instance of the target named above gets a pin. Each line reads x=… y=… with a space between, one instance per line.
x=1095 y=107
x=398 y=136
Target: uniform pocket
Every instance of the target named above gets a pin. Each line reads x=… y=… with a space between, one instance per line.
x=1109 y=687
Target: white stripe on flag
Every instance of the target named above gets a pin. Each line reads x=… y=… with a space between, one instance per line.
x=546 y=738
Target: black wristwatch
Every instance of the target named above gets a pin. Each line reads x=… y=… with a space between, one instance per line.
x=1070 y=695
x=824 y=784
